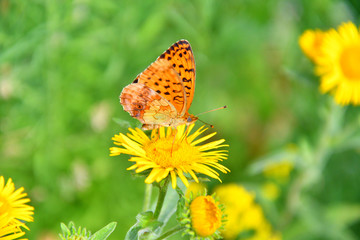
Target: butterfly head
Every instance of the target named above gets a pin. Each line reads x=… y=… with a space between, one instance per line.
x=191 y=119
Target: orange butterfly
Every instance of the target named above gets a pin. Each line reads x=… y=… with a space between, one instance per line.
x=162 y=94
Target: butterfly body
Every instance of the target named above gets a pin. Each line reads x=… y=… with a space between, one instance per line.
x=162 y=94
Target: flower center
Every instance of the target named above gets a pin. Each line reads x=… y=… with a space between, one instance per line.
x=350 y=62
x=205 y=216
x=169 y=153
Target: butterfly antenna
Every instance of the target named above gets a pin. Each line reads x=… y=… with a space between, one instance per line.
x=210 y=125
x=212 y=111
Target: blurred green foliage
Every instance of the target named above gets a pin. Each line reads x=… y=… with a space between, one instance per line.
x=63 y=65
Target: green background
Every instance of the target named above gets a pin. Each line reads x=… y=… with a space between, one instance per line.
x=63 y=65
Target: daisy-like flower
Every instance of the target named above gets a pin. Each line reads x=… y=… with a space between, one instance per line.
x=14 y=210
x=172 y=151
x=310 y=42
x=339 y=65
x=202 y=217
x=243 y=214
x=8 y=229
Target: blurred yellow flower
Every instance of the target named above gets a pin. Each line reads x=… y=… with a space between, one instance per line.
x=13 y=210
x=205 y=216
x=242 y=212
x=339 y=64
x=279 y=170
x=310 y=42
x=167 y=154
x=195 y=189
x=270 y=190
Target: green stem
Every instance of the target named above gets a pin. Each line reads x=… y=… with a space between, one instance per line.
x=147 y=199
x=318 y=160
x=170 y=232
x=162 y=194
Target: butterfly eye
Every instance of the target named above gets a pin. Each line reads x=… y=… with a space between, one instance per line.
x=189 y=119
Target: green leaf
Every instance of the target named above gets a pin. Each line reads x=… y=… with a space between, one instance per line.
x=104 y=233
x=170 y=203
x=144 y=228
x=287 y=154
x=343 y=215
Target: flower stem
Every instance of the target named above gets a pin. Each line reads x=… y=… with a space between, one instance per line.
x=147 y=199
x=170 y=232
x=319 y=157
x=162 y=194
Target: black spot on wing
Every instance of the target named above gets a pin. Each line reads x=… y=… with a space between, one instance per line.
x=136 y=80
x=183 y=42
x=178 y=98
x=158 y=91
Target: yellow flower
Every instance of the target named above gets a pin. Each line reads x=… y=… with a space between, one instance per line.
x=195 y=189
x=279 y=170
x=13 y=210
x=339 y=66
x=8 y=229
x=173 y=152
x=310 y=42
x=242 y=212
x=270 y=190
x=205 y=216
x=202 y=216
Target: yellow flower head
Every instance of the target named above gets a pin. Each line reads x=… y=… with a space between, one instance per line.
x=171 y=151
x=202 y=216
x=339 y=66
x=270 y=190
x=243 y=214
x=13 y=210
x=310 y=42
x=205 y=215
x=279 y=170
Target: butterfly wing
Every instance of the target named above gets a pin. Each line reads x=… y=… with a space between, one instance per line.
x=161 y=77
x=162 y=94
x=181 y=58
x=146 y=105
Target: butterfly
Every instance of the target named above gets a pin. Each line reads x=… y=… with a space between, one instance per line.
x=162 y=94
